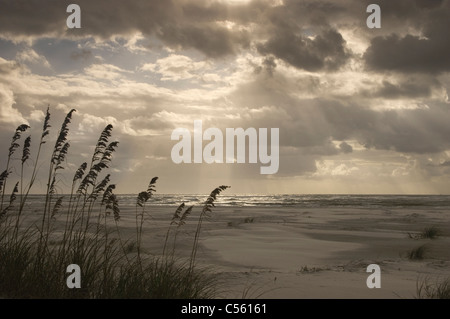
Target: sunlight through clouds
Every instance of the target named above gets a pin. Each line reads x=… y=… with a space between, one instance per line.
x=351 y=102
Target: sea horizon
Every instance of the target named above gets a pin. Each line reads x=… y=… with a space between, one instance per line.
x=287 y=200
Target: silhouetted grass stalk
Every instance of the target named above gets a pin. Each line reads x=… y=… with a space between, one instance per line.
x=13 y=147
x=175 y=219
x=33 y=263
x=142 y=199
x=57 y=158
x=207 y=208
x=45 y=132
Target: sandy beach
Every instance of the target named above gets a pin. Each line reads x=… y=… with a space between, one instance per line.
x=295 y=253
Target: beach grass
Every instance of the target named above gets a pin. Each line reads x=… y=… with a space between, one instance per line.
x=431 y=232
x=433 y=290
x=83 y=228
x=417 y=253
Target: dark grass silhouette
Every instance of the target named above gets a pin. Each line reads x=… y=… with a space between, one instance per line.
x=431 y=232
x=439 y=289
x=428 y=233
x=34 y=258
x=417 y=253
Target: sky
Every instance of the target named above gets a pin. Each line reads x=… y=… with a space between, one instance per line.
x=359 y=110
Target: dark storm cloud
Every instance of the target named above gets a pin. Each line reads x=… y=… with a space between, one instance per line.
x=213 y=41
x=427 y=4
x=409 y=54
x=281 y=31
x=100 y=18
x=202 y=11
x=300 y=34
x=106 y=19
x=326 y=51
x=427 y=53
x=33 y=17
x=345 y=148
x=183 y=24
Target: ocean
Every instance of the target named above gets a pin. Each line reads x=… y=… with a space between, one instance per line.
x=301 y=201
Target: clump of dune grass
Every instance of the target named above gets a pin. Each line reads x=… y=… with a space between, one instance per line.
x=165 y=278
x=417 y=253
x=83 y=228
x=436 y=290
x=428 y=233
x=431 y=232
x=307 y=270
x=254 y=289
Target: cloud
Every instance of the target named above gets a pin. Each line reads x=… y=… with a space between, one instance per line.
x=101 y=19
x=105 y=71
x=21 y=19
x=313 y=122
x=408 y=89
x=82 y=54
x=8 y=67
x=213 y=28
x=8 y=114
x=325 y=51
x=269 y=65
x=30 y=56
x=331 y=168
x=408 y=54
x=351 y=102
x=345 y=148
x=91 y=124
x=426 y=52
x=212 y=40
x=427 y=4
x=408 y=131
x=176 y=67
